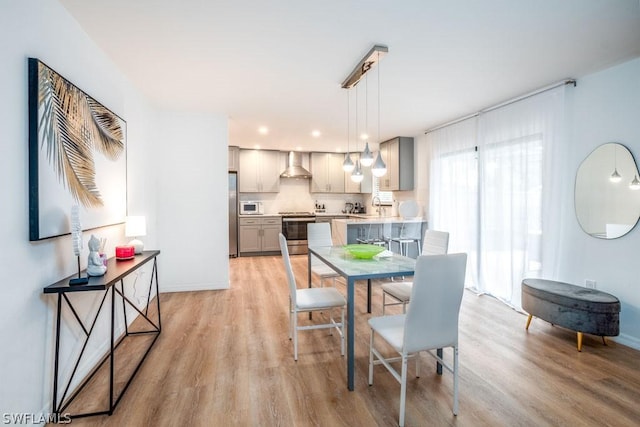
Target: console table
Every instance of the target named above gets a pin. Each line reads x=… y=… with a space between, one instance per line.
x=113 y=281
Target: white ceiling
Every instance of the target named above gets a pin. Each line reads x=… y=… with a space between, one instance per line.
x=280 y=63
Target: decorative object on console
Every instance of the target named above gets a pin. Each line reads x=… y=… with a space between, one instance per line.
x=76 y=156
x=125 y=252
x=95 y=266
x=136 y=226
x=76 y=238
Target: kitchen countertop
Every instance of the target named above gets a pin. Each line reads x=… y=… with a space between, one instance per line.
x=375 y=219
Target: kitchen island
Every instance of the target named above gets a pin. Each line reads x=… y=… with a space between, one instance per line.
x=348 y=231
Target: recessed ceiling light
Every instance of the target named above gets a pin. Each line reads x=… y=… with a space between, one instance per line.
x=298 y=148
x=257 y=146
x=315 y=133
x=364 y=136
x=263 y=130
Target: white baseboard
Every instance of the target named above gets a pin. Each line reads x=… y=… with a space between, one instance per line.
x=193 y=287
x=627 y=340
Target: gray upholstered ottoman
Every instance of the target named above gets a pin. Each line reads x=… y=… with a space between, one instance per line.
x=580 y=309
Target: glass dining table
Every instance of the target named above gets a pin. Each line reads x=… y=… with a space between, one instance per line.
x=354 y=269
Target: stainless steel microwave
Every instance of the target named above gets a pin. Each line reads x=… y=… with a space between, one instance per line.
x=251 y=208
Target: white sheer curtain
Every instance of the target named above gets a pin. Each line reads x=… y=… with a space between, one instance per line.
x=454 y=190
x=499 y=217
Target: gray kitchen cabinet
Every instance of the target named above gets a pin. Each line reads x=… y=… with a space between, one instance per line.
x=259 y=171
x=327 y=173
x=397 y=153
x=259 y=234
x=234 y=158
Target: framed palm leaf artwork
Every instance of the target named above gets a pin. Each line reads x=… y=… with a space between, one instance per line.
x=77 y=156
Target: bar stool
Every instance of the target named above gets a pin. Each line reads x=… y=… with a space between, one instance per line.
x=410 y=232
x=377 y=240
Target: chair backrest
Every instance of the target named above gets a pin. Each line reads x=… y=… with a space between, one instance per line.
x=435 y=242
x=319 y=234
x=287 y=266
x=432 y=317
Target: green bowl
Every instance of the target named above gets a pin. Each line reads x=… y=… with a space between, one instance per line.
x=363 y=251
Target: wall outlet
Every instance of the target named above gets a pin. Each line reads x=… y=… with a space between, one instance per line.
x=591 y=284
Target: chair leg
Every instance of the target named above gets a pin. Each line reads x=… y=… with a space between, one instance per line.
x=417 y=356
x=404 y=307
x=342 y=334
x=455 y=380
x=384 y=300
x=528 y=322
x=403 y=390
x=371 y=358
x=295 y=336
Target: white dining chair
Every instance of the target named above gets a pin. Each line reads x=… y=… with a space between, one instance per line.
x=434 y=243
x=310 y=299
x=319 y=234
x=431 y=321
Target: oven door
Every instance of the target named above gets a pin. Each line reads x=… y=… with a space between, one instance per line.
x=294 y=230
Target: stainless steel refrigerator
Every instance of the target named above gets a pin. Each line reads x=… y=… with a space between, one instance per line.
x=233 y=215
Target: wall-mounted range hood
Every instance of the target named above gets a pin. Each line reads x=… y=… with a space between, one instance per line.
x=294 y=167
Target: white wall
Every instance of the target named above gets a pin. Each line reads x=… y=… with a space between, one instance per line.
x=43 y=29
x=604 y=107
x=192 y=201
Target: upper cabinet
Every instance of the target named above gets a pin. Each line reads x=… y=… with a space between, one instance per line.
x=234 y=158
x=397 y=154
x=259 y=171
x=327 y=173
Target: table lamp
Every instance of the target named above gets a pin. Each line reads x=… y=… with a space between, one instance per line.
x=136 y=226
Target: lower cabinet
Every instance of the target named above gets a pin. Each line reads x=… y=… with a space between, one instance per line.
x=258 y=235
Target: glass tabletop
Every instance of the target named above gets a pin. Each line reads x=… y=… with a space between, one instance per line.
x=348 y=266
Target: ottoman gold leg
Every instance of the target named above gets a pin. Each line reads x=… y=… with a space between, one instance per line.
x=579 y=341
x=528 y=322
x=604 y=340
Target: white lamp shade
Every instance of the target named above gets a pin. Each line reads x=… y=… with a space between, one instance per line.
x=366 y=159
x=135 y=226
x=348 y=164
x=379 y=168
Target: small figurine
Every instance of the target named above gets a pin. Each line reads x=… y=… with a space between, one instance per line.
x=95 y=266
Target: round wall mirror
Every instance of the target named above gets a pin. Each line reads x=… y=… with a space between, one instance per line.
x=607 y=192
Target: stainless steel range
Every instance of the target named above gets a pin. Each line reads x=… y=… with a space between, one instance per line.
x=294 y=229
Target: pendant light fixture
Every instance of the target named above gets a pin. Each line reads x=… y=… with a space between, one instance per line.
x=366 y=158
x=615 y=176
x=356 y=175
x=348 y=164
x=379 y=168
x=635 y=184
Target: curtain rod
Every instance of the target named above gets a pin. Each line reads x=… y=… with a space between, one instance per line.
x=503 y=104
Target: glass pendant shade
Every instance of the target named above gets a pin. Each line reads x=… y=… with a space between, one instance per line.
x=379 y=168
x=366 y=159
x=615 y=176
x=348 y=164
x=635 y=184
x=356 y=175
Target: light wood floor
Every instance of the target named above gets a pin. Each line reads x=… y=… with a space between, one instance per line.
x=224 y=358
